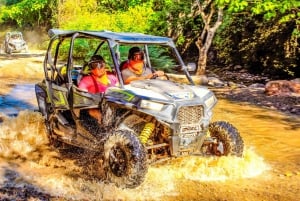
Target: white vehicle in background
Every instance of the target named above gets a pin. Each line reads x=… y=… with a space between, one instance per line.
x=14 y=43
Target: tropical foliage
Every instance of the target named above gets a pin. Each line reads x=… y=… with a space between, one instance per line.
x=265 y=38
x=262 y=35
x=26 y=12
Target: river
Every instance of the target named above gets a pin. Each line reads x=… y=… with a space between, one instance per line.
x=269 y=169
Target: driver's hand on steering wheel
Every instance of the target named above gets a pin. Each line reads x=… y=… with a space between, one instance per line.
x=157 y=74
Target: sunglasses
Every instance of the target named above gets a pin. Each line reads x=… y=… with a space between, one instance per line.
x=97 y=64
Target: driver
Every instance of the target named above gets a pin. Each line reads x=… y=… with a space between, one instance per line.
x=134 y=68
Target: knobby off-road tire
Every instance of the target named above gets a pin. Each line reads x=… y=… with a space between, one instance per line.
x=125 y=159
x=229 y=136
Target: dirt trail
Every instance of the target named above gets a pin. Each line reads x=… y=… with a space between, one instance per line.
x=20 y=68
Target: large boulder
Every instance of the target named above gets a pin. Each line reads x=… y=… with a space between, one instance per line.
x=283 y=87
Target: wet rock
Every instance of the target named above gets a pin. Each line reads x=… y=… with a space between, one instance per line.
x=215 y=82
x=232 y=84
x=282 y=87
x=295 y=110
x=16 y=188
x=200 y=79
x=257 y=85
x=297 y=80
x=237 y=67
x=235 y=88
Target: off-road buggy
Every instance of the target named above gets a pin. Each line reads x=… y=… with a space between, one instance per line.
x=144 y=122
x=14 y=43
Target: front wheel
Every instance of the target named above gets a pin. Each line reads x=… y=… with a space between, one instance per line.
x=229 y=141
x=125 y=159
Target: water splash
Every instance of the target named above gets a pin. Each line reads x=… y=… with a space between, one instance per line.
x=218 y=168
x=24 y=137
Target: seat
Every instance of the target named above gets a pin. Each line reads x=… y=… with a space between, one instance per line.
x=123 y=66
x=61 y=75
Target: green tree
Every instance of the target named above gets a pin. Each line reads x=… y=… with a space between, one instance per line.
x=265 y=38
x=121 y=5
x=197 y=22
x=287 y=10
x=89 y=15
x=24 y=12
x=192 y=24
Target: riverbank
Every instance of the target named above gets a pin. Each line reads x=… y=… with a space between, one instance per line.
x=20 y=69
x=241 y=86
x=256 y=96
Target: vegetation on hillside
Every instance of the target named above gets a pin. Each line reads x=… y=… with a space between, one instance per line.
x=261 y=35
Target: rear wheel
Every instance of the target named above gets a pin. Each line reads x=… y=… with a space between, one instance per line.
x=229 y=141
x=125 y=159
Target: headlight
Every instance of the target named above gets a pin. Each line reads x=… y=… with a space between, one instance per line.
x=210 y=102
x=146 y=104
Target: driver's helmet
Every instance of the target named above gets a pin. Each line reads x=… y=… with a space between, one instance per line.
x=97 y=65
x=95 y=59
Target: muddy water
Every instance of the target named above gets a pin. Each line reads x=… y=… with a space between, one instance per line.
x=273 y=135
x=21 y=97
x=269 y=169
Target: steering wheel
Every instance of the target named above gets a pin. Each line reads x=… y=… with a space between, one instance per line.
x=160 y=77
x=154 y=76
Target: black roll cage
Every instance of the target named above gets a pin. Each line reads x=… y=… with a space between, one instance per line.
x=113 y=39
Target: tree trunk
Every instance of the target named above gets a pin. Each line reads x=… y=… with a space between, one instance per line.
x=201 y=64
x=203 y=50
x=204 y=41
x=202 y=59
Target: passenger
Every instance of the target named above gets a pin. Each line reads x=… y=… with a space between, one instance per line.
x=97 y=81
x=135 y=69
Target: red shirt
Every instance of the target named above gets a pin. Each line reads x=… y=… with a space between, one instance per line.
x=93 y=86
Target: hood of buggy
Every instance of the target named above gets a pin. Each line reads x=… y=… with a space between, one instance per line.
x=166 y=100
x=164 y=91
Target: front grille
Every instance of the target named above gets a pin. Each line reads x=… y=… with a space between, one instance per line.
x=190 y=114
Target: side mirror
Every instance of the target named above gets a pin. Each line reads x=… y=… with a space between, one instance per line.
x=191 y=67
